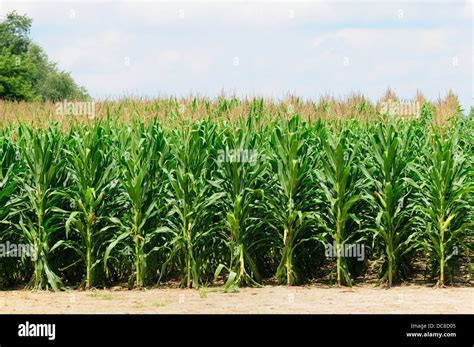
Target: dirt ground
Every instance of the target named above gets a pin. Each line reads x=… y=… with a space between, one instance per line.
x=269 y=299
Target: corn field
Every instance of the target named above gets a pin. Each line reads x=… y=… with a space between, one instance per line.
x=235 y=193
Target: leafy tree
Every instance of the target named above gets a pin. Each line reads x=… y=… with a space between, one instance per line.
x=25 y=70
x=16 y=76
x=14 y=31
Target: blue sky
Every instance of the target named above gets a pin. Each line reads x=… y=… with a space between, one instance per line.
x=310 y=48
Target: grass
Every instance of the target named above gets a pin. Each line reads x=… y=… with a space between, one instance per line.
x=202 y=293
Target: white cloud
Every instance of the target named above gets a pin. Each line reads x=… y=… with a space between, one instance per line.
x=176 y=47
x=468 y=10
x=101 y=50
x=399 y=40
x=169 y=56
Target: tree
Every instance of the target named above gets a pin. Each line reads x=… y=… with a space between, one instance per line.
x=25 y=70
x=16 y=75
x=14 y=32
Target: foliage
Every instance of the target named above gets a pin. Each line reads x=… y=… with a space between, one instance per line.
x=247 y=200
x=25 y=71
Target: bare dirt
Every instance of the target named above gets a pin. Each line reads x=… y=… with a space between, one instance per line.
x=269 y=299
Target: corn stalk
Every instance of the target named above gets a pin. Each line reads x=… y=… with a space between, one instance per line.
x=39 y=212
x=446 y=190
x=140 y=160
x=240 y=173
x=393 y=158
x=292 y=161
x=343 y=189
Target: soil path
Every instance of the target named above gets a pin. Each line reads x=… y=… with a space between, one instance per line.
x=269 y=299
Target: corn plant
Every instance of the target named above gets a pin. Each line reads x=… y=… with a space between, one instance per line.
x=393 y=157
x=292 y=161
x=343 y=190
x=9 y=168
x=40 y=215
x=446 y=190
x=240 y=169
x=140 y=159
x=190 y=218
x=90 y=166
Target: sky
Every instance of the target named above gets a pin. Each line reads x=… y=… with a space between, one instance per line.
x=269 y=48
